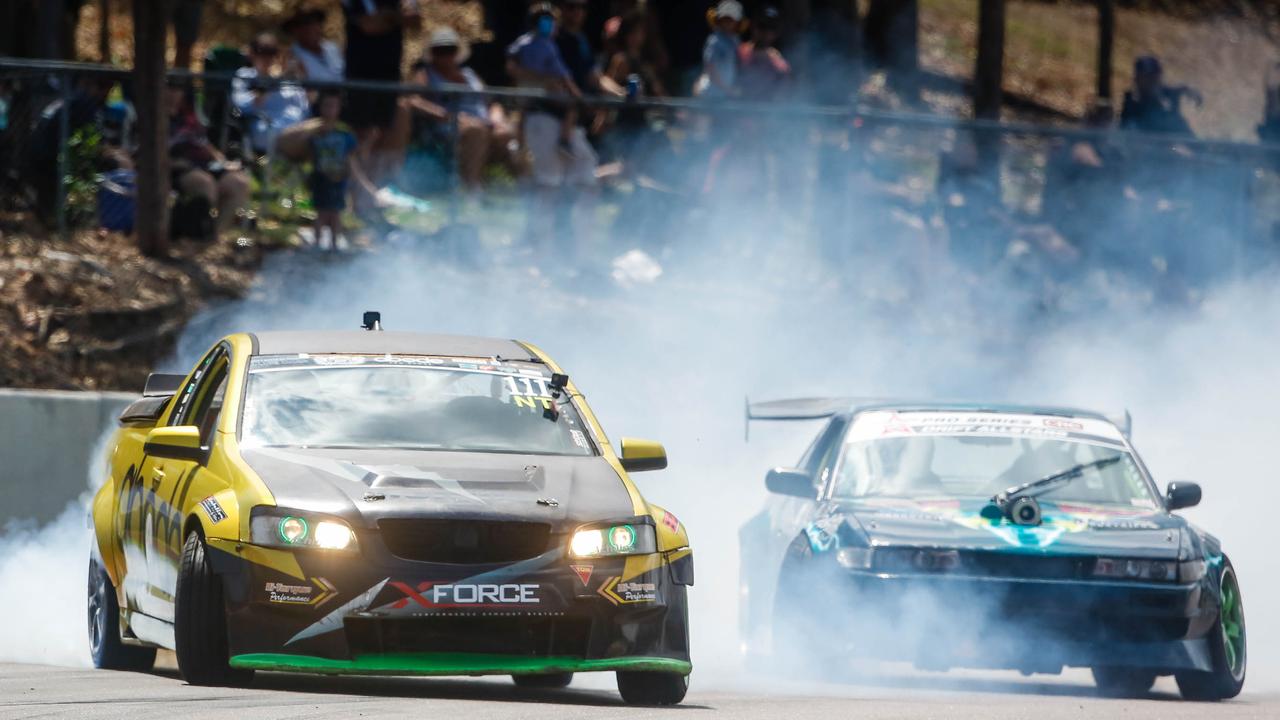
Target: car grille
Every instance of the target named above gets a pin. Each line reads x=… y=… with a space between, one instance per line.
x=526 y=636
x=982 y=563
x=464 y=541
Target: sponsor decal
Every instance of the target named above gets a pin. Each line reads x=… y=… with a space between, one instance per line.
x=670 y=521
x=583 y=572
x=213 y=510
x=431 y=594
x=1063 y=423
x=288 y=594
x=628 y=593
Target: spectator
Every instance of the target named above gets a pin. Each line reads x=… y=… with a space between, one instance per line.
x=484 y=134
x=1152 y=106
x=632 y=140
x=561 y=153
x=577 y=54
x=534 y=60
x=1269 y=130
x=203 y=177
x=720 y=55
x=653 y=51
x=312 y=57
x=375 y=50
x=333 y=164
x=266 y=109
x=1084 y=183
x=627 y=57
x=763 y=72
x=186 y=30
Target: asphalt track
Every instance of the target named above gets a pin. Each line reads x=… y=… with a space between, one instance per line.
x=34 y=691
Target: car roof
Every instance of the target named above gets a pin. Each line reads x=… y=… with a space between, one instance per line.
x=383 y=342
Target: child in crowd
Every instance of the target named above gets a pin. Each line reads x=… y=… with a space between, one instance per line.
x=333 y=147
x=720 y=55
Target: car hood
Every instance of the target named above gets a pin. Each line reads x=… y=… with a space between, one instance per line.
x=363 y=486
x=1068 y=528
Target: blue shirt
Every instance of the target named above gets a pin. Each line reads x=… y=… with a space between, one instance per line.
x=284 y=105
x=721 y=53
x=329 y=153
x=539 y=54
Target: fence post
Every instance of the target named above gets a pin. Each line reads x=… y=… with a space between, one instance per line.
x=455 y=168
x=64 y=130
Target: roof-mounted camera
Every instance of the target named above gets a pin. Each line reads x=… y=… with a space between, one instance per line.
x=372 y=320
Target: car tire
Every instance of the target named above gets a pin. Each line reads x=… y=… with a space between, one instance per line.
x=800 y=641
x=200 y=628
x=543 y=681
x=1227 y=648
x=105 y=646
x=1123 y=682
x=640 y=687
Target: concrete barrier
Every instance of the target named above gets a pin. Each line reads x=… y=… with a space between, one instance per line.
x=47 y=441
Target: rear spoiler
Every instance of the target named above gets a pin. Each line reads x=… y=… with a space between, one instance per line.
x=818 y=408
x=1124 y=422
x=796 y=409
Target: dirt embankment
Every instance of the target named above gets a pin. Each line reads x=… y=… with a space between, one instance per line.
x=90 y=312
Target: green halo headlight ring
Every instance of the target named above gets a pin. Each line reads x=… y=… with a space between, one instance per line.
x=1232 y=621
x=293 y=529
x=621 y=538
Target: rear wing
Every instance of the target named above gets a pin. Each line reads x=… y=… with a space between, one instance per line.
x=1124 y=422
x=818 y=408
x=795 y=409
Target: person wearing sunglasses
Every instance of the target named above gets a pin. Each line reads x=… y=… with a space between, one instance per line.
x=266 y=107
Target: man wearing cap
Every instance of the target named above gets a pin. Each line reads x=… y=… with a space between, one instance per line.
x=312 y=57
x=484 y=135
x=1152 y=106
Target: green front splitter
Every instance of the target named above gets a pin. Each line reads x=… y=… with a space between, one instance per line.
x=451 y=664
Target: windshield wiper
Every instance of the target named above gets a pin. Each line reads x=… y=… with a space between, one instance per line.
x=1002 y=502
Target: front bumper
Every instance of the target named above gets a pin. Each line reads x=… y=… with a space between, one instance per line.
x=1035 y=625
x=373 y=613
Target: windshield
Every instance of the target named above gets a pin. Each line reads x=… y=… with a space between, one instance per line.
x=917 y=458
x=406 y=402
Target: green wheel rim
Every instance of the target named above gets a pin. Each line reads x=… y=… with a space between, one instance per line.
x=1232 y=619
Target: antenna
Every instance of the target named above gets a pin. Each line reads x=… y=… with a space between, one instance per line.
x=372 y=320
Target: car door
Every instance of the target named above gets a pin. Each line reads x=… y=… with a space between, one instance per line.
x=171 y=481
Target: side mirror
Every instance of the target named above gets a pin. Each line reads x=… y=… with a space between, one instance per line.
x=640 y=455
x=175 y=443
x=789 y=481
x=1182 y=494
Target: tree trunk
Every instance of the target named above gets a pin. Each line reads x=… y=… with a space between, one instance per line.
x=988 y=74
x=1106 y=45
x=150 y=25
x=104 y=31
x=49 y=20
x=893 y=34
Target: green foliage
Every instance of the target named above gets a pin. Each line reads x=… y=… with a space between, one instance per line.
x=83 y=150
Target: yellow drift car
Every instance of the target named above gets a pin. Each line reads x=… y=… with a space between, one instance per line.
x=384 y=503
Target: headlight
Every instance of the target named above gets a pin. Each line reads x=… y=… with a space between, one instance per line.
x=620 y=539
x=281 y=529
x=1127 y=569
x=854 y=558
x=1190 y=571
